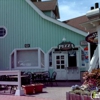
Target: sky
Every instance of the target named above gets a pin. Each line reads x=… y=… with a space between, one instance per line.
x=69 y=9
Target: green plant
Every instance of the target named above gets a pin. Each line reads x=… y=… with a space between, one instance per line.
x=92 y=79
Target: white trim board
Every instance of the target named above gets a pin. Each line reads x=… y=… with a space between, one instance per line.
x=32 y=67
x=55 y=21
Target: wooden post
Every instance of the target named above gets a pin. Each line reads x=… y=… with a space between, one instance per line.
x=19 y=80
x=19 y=91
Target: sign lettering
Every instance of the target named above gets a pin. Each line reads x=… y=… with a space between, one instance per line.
x=92 y=37
x=66 y=45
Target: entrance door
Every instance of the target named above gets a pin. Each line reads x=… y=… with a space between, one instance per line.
x=60 y=65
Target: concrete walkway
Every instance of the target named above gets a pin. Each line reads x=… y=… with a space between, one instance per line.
x=54 y=93
x=49 y=93
x=10 y=97
x=57 y=92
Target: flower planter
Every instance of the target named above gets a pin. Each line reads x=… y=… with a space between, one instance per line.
x=38 y=88
x=29 y=89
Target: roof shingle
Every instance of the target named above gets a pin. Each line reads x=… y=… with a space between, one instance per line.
x=46 y=5
x=76 y=22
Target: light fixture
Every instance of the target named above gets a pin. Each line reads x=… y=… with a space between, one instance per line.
x=64 y=39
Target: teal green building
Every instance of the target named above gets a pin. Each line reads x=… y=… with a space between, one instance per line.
x=29 y=38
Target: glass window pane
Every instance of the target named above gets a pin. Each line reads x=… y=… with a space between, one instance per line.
x=62 y=57
x=62 y=61
x=2 y=32
x=50 y=63
x=57 y=57
x=50 y=59
x=27 y=58
x=58 y=62
x=62 y=66
x=58 y=66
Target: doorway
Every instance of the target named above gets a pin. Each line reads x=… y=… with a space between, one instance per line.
x=60 y=66
x=72 y=59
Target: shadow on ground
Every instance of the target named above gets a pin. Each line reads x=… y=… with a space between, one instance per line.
x=64 y=83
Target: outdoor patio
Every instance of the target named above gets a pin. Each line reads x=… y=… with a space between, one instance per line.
x=49 y=92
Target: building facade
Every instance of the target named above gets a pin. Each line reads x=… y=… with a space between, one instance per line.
x=29 y=39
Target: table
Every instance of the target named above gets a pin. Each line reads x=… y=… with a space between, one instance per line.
x=39 y=77
x=39 y=73
x=72 y=96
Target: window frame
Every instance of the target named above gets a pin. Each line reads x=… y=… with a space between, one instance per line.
x=5 y=30
x=15 y=51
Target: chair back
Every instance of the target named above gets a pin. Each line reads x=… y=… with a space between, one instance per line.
x=29 y=74
x=47 y=74
x=53 y=76
x=28 y=79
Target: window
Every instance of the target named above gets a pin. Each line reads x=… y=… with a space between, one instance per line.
x=50 y=59
x=2 y=31
x=42 y=59
x=60 y=62
x=27 y=58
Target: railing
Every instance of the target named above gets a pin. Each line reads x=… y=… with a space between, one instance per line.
x=12 y=72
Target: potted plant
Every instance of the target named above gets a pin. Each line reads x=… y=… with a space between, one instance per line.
x=29 y=89
x=38 y=87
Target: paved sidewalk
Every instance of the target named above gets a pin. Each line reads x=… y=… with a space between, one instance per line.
x=9 y=97
x=54 y=93
x=57 y=92
x=49 y=93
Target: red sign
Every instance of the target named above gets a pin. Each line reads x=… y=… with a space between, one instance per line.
x=92 y=37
